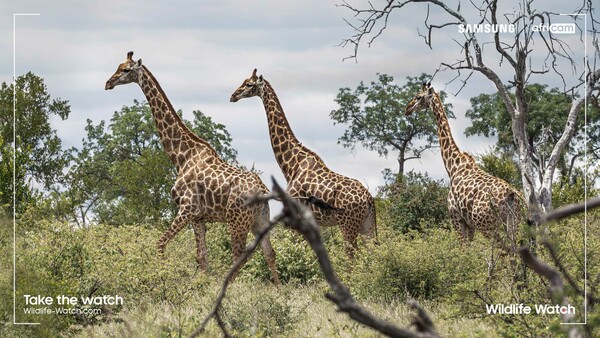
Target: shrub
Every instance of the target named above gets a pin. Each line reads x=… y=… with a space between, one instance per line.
x=502 y=165
x=57 y=259
x=259 y=312
x=295 y=259
x=420 y=265
x=415 y=201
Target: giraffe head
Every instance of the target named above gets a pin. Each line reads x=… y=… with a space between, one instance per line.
x=127 y=72
x=252 y=86
x=422 y=100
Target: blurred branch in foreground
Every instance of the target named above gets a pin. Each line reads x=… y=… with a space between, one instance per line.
x=296 y=216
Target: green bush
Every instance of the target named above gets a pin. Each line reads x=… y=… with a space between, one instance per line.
x=259 y=312
x=296 y=262
x=417 y=265
x=414 y=201
x=502 y=165
x=168 y=297
x=572 y=190
x=29 y=280
x=57 y=259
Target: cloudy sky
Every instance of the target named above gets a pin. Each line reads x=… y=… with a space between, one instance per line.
x=200 y=51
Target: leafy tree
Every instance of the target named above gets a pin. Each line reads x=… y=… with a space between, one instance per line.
x=548 y=115
x=215 y=134
x=39 y=153
x=502 y=165
x=571 y=190
x=375 y=118
x=23 y=193
x=514 y=59
x=122 y=174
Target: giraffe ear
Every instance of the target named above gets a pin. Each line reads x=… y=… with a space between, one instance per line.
x=261 y=79
x=139 y=63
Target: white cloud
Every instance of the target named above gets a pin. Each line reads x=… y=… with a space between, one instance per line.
x=201 y=51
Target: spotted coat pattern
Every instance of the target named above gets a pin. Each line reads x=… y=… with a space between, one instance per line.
x=351 y=206
x=207 y=188
x=477 y=200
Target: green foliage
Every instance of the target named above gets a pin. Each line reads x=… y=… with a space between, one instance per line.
x=502 y=166
x=122 y=174
x=570 y=190
x=167 y=296
x=295 y=260
x=548 y=111
x=417 y=265
x=415 y=201
x=375 y=118
x=13 y=179
x=57 y=259
x=259 y=314
x=215 y=134
x=40 y=157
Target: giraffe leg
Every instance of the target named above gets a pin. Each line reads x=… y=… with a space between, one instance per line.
x=269 y=254
x=350 y=245
x=200 y=234
x=239 y=235
x=178 y=223
x=465 y=233
x=265 y=244
x=470 y=233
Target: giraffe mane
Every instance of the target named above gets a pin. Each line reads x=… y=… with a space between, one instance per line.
x=177 y=117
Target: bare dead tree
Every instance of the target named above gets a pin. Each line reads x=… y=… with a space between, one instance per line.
x=296 y=216
x=516 y=51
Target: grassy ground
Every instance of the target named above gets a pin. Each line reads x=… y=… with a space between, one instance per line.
x=263 y=310
x=168 y=297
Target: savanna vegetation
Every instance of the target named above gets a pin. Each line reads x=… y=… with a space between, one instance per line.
x=89 y=224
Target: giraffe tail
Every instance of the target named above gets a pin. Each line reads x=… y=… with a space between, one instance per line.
x=321 y=203
x=369 y=226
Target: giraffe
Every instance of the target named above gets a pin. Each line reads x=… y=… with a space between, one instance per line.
x=333 y=198
x=207 y=188
x=477 y=200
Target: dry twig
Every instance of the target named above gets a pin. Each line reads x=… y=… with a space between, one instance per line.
x=298 y=217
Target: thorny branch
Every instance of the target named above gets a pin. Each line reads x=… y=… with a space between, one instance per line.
x=296 y=216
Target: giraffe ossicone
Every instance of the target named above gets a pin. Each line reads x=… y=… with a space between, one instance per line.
x=207 y=188
x=333 y=198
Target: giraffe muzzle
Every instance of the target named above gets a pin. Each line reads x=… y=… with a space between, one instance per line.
x=109 y=85
x=233 y=98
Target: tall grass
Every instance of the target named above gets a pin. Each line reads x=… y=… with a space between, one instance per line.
x=167 y=296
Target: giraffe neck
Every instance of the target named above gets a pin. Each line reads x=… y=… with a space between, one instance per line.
x=288 y=150
x=451 y=155
x=177 y=139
